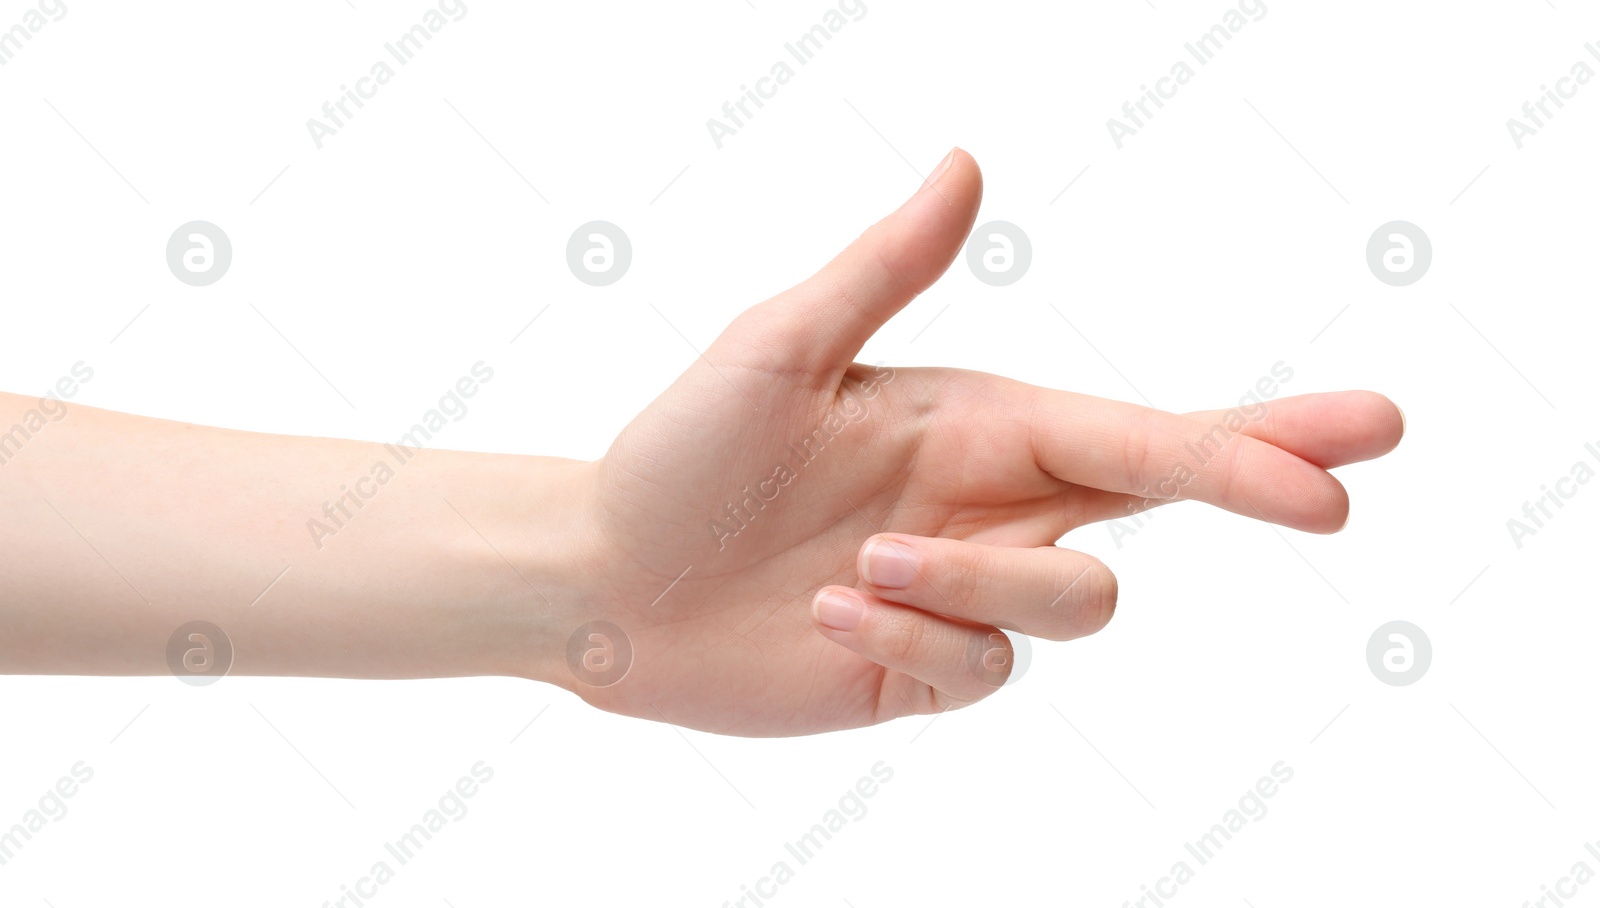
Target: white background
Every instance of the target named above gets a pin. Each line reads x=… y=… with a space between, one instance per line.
x=1227 y=235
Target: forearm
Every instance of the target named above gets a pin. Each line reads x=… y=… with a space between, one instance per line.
x=319 y=557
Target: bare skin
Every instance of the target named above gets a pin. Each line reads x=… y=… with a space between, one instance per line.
x=786 y=541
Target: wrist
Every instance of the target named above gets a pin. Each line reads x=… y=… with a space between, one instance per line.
x=531 y=552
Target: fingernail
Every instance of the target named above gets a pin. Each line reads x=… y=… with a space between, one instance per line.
x=888 y=565
x=939 y=170
x=838 y=611
x=1402 y=421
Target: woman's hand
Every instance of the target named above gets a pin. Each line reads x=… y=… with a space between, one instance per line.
x=792 y=542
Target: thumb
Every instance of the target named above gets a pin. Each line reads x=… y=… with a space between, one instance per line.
x=820 y=325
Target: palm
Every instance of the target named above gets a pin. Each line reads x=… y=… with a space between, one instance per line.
x=754 y=481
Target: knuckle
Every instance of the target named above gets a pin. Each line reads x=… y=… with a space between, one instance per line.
x=966 y=571
x=1089 y=603
x=1228 y=472
x=1103 y=603
x=944 y=700
x=903 y=638
x=1137 y=448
